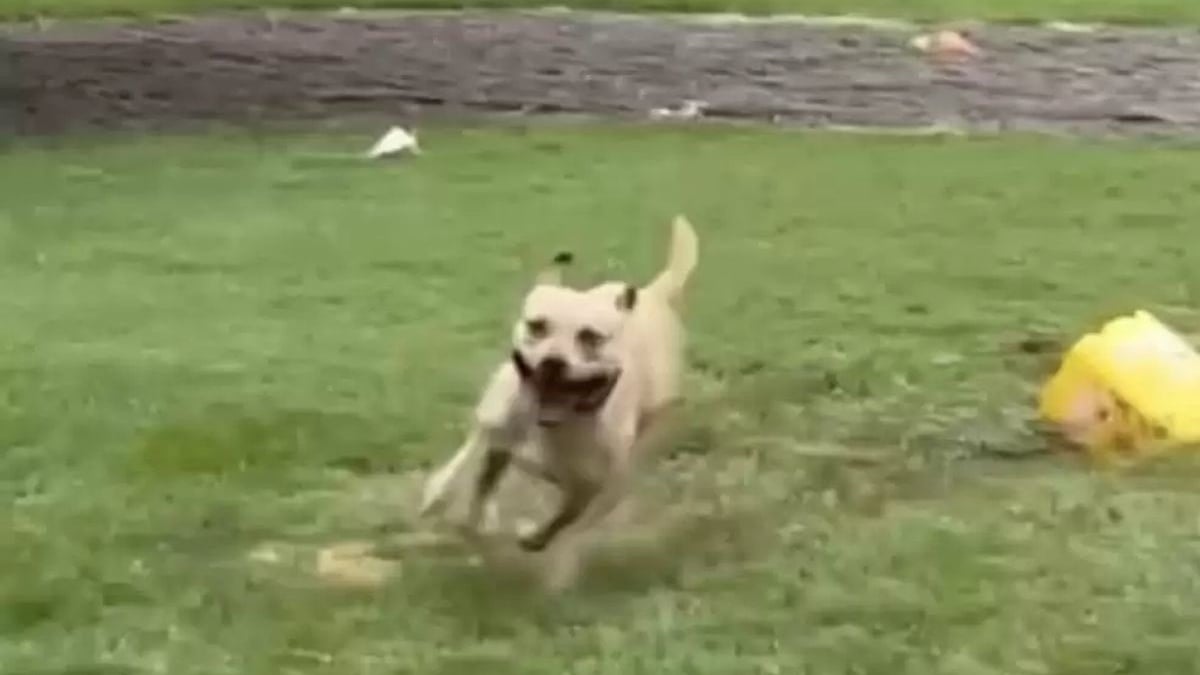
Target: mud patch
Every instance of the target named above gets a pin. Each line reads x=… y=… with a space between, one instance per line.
x=246 y=68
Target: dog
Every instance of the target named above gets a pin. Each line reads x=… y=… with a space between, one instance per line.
x=590 y=376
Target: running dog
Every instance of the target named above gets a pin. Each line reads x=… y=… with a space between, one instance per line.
x=589 y=377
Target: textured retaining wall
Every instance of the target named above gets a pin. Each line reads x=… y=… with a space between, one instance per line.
x=249 y=67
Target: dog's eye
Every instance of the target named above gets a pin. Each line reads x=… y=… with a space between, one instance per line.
x=537 y=328
x=590 y=338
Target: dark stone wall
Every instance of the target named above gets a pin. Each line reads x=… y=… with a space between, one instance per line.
x=251 y=68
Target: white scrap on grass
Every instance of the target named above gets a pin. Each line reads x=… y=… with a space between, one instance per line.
x=945 y=44
x=266 y=553
x=688 y=110
x=1069 y=27
x=935 y=129
x=352 y=564
x=853 y=20
x=397 y=141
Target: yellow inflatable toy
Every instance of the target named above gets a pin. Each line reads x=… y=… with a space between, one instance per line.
x=1127 y=392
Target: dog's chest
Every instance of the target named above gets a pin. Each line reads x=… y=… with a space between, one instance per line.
x=573 y=456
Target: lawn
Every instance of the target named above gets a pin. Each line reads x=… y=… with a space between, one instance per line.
x=215 y=344
x=1123 y=11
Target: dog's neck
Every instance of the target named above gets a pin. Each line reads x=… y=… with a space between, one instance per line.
x=572 y=425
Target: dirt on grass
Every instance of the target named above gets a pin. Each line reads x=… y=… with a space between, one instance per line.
x=251 y=68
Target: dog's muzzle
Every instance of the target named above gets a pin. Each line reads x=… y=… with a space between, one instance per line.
x=558 y=395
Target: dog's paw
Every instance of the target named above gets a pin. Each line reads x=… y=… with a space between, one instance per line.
x=534 y=542
x=529 y=536
x=526 y=527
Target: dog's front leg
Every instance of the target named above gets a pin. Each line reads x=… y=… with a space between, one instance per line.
x=535 y=469
x=630 y=446
x=576 y=499
x=498 y=428
x=625 y=447
x=586 y=501
x=615 y=488
x=593 y=501
x=564 y=559
x=449 y=479
x=495 y=462
x=566 y=530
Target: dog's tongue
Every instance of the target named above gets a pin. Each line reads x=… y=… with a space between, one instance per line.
x=552 y=403
x=560 y=400
x=591 y=400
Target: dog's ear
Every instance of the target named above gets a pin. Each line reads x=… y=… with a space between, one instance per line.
x=553 y=275
x=627 y=300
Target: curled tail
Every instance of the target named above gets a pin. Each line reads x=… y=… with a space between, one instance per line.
x=682 y=257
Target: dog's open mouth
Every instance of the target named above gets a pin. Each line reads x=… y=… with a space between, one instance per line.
x=556 y=400
x=559 y=396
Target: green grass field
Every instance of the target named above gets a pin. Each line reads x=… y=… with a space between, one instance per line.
x=1123 y=11
x=214 y=344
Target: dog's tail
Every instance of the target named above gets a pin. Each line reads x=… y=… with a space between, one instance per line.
x=681 y=260
x=552 y=275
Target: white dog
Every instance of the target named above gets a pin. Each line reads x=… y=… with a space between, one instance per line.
x=590 y=374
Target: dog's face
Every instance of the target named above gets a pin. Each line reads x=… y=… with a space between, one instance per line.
x=566 y=346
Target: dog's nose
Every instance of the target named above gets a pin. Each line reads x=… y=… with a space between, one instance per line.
x=552 y=367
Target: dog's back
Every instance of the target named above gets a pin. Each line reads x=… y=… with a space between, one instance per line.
x=655 y=332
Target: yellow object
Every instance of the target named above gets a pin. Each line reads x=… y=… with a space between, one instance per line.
x=1128 y=391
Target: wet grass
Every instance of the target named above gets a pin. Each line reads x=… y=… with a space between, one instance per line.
x=211 y=344
x=1118 y=11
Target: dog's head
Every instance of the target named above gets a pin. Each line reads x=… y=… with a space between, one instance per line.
x=567 y=345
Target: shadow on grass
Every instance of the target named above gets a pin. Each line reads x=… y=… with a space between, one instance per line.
x=496 y=592
x=662 y=554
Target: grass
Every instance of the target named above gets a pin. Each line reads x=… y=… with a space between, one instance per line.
x=1120 y=11
x=214 y=343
